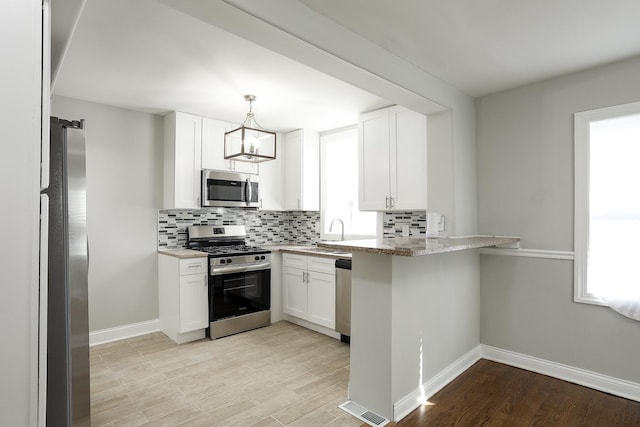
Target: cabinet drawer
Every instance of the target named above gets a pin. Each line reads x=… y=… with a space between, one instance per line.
x=193 y=266
x=294 y=261
x=321 y=264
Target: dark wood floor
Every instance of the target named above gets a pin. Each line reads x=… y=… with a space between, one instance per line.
x=493 y=394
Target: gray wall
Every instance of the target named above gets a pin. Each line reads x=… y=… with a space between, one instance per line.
x=124 y=192
x=19 y=192
x=525 y=188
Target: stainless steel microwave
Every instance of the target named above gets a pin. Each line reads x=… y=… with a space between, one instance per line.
x=229 y=189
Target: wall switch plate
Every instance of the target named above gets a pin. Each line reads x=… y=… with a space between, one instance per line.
x=405 y=230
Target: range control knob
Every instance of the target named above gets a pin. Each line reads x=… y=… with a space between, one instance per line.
x=257 y=258
x=223 y=261
x=263 y=257
x=228 y=260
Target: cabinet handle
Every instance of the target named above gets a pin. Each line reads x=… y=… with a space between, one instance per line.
x=386 y=202
x=298 y=203
x=391 y=202
x=260 y=204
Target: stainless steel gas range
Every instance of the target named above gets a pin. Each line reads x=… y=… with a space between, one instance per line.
x=239 y=279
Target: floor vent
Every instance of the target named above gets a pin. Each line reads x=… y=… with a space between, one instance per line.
x=363 y=414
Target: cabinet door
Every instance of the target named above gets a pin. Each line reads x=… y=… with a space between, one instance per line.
x=194 y=313
x=322 y=299
x=408 y=159
x=185 y=161
x=213 y=144
x=295 y=292
x=302 y=171
x=293 y=171
x=310 y=192
x=271 y=180
x=373 y=160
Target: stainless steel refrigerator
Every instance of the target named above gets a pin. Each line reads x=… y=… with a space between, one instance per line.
x=68 y=393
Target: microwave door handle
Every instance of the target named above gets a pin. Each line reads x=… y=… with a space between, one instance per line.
x=247 y=191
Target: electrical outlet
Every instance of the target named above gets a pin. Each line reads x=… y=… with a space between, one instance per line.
x=405 y=230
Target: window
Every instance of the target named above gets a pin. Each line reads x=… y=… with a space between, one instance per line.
x=339 y=187
x=607 y=208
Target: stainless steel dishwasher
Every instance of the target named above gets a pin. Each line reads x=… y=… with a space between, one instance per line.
x=343 y=299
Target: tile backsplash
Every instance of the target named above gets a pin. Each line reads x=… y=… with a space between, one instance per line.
x=272 y=227
x=393 y=223
x=263 y=227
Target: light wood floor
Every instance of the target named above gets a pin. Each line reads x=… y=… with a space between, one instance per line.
x=274 y=376
x=288 y=375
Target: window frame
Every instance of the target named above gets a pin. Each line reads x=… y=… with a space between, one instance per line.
x=327 y=136
x=582 y=121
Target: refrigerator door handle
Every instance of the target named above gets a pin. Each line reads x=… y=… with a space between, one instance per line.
x=42 y=309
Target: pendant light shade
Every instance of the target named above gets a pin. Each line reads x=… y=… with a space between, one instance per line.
x=250 y=142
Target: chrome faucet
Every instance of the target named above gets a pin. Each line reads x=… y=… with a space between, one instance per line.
x=331 y=227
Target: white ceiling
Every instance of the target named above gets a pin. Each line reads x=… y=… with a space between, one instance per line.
x=147 y=56
x=487 y=46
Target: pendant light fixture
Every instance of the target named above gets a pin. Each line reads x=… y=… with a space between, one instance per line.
x=250 y=142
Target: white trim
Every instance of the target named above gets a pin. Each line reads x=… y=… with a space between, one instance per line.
x=581 y=130
x=413 y=400
x=594 y=380
x=581 y=207
x=530 y=253
x=104 y=336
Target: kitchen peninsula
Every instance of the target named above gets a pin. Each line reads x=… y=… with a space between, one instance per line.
x=415 y=317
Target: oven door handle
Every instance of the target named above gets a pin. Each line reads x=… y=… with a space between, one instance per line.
x=238 y=287
x=219 y=271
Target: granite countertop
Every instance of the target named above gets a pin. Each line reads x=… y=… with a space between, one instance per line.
x=308 y=250
x=419 y=246
x=183 y=253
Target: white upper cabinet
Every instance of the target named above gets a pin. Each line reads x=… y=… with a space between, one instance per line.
x=213 y=148
x=182 y=160
x=392 y=160
x=301 y=170
x=271 y=179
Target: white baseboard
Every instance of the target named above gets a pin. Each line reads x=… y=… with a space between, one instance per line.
x=104 y=336
x=407 y=404
x=605 y=383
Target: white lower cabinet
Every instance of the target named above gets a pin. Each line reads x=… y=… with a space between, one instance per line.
x=183 y=297
x=309 y=288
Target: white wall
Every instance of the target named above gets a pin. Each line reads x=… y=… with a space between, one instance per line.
x=525 y=187
x=124 y=191
x=19 y=192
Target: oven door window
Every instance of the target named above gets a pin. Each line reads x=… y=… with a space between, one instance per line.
x=224 y=190
x=239 y=293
